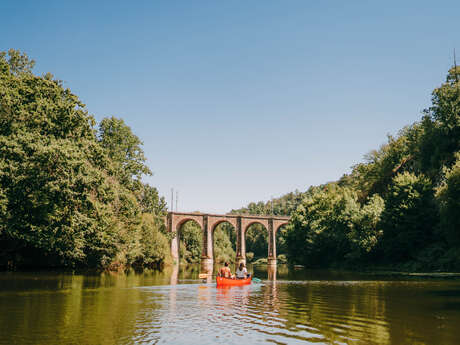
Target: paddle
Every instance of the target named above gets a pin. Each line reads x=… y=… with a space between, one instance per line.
x=206 y=275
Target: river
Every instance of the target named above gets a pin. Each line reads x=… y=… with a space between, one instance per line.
x=289 y=306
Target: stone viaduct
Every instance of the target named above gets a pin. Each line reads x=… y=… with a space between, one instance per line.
x=208 y=223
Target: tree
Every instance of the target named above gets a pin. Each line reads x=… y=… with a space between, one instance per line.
x=67 y=198
x=151 y=202
x=17 y=62
x=441 y=124
x=191 y=237
x=409 y=217
x=257 y=240
x=365 y=232
x=330 y=227
x=124 y=149
x=448 y=196
x=52 y=171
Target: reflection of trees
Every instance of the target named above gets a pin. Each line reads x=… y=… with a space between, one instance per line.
x=338 y=313
x=174 y=275
x=207 y=268
x=75 y=310
x=426 y=311
x=361 y=312
x=370 y=312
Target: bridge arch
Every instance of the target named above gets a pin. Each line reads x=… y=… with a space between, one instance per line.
x=248 y=225
x=208 y=223
x=256 y=237
x=190 y=240
x=177 y=224
x=214 y=222
x=186 y=220
x=174 y=223
x=277 y=225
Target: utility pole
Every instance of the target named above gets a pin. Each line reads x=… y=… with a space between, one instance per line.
x=177 y=199
x=172 y=200
x=455 y=70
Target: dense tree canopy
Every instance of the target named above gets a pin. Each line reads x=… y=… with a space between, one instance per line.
x=70 y=196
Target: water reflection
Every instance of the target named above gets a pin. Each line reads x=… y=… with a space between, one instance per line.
x=174 y=275
x=174 y=306
x=207 y=269
x=271 y=270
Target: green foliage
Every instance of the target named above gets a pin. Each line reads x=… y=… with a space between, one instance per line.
x=57 y=200
x=365 y=232
x=331 y=225
x=68 y=198
x=261 y=261
x=124 y=150
x=409 y=217
x=282 y=206
x=448 y=196
x=282 y=259
x=281 y=245
x=381 y=165
x=223 y=247
x=441 y=123
x=257 y=240
x=17 y=62
x=150 y=201
x=191 y=239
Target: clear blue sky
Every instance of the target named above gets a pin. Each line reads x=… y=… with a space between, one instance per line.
x=238 y=101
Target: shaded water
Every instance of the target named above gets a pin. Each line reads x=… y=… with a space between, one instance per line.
x=175 y=307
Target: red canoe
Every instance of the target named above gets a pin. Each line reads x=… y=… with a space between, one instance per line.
x=232 y=282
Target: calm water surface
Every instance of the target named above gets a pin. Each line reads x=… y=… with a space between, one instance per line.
x=175 y=307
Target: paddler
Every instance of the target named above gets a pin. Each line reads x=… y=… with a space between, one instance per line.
x=242 y=272
x=225 y=271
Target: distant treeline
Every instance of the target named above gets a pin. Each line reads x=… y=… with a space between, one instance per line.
x=399 y=209
x=70 y=189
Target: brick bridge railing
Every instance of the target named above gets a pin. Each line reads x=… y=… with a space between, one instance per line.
x=240 y=222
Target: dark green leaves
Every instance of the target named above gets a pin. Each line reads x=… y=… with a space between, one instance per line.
x=68 y=198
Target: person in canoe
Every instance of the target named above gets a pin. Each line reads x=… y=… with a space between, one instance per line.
x=242 y=272
x=225 y=271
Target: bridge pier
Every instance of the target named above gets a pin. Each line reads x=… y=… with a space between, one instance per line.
x=207 y=254
x=240 y=243
x=174 y=241
x=271 y=260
